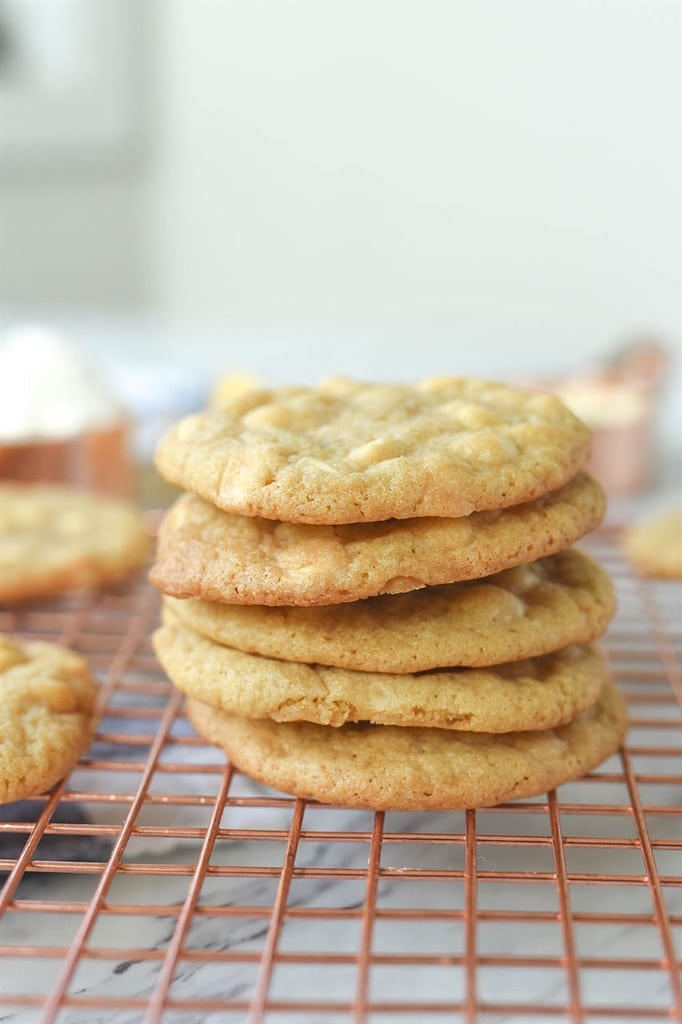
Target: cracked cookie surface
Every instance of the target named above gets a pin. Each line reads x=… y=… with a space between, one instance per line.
x=47 y=715
x=350 y=452
x=532 y=694
x=389 y=768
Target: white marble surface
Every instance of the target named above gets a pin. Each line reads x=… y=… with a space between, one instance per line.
x=548 y=985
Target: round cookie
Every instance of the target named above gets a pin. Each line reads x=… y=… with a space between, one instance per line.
x=47 y=715
x=350 y=452
x=655 y=546
x=54 y=539
x=218 y=556
x=523 y=612
x=388 y=768
x=533 y=694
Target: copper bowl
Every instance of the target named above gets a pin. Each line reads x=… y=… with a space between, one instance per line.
x=95 y=460
x=621 y=417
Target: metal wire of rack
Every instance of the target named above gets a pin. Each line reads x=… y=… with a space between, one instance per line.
x=158 y=885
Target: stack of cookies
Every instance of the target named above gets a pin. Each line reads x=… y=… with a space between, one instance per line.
x=371 y=595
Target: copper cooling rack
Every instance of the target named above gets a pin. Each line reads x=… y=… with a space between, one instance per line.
x=157 y=885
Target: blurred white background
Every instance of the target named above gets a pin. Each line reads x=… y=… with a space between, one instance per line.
x=388 y=188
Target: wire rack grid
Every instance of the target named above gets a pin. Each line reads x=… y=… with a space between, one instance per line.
x=157 y=884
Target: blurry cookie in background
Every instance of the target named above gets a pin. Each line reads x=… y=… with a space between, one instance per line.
x=230 y=385
x=654 y=546
x=55 y=539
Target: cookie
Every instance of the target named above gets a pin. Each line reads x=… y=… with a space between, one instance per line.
x=349 y=452
x=655 y=546
x=389 y=768
x=230 y=386
x=53 y=539
x=218 y=556
x=531 y=694
x=520 y=613
x=47 y=715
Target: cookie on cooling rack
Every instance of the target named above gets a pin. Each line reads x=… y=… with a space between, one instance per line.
x=219 y=556
x=348 y=452
x=47 y=715
x=55 y=539
x=532 y=694
x=389 y=768
x=520 y=613
x=655 y=546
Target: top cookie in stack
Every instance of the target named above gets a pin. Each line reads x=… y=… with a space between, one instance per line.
x=331 y=495
x=347 y=452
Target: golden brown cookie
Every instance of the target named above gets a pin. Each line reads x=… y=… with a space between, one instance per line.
x=348 y=452
x=520 y=613
x=389 y=768
x=47 y=715
x=655 y=546
x=533 y=694
x=218 y=556
x=54 y=539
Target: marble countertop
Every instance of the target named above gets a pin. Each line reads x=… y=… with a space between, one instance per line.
x=442 y=940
